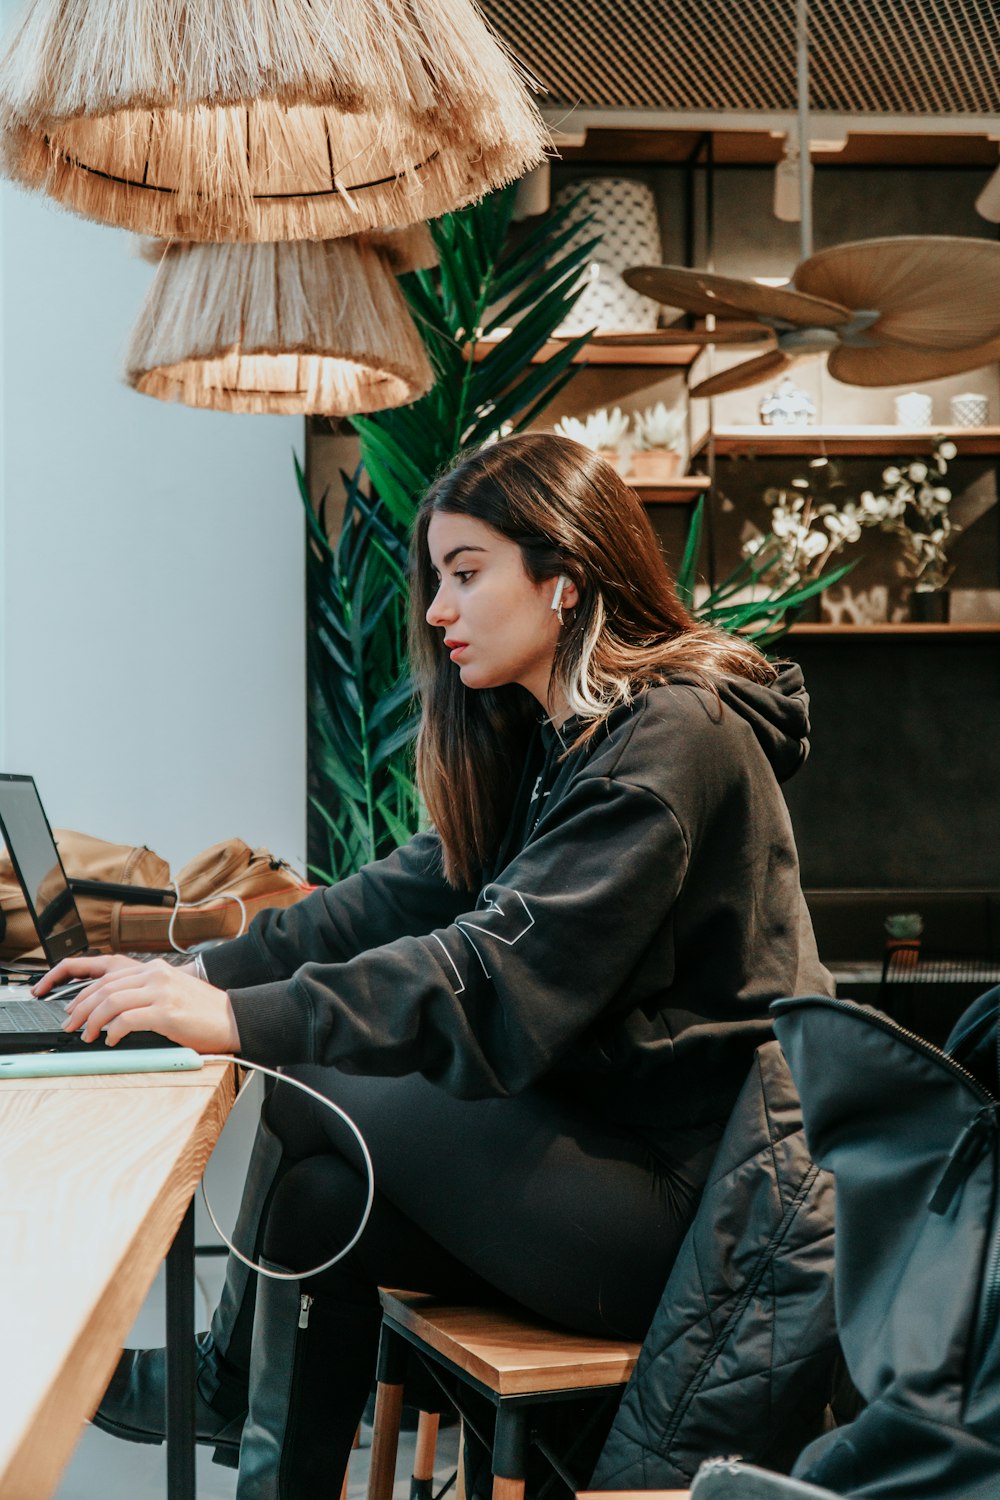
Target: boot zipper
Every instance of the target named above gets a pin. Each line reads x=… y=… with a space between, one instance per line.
x=288 y=1443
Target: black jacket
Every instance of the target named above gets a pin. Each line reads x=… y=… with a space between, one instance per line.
x=644 y=911
x=740 y=1354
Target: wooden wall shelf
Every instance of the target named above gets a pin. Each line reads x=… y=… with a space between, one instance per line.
x=671 y=356
x=881 y=442
x=670 y=491
x=901 y=630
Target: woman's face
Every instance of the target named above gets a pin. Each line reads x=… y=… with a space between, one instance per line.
x=497 y=624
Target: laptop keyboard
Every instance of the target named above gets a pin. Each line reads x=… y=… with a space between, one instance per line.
x=29 y=1015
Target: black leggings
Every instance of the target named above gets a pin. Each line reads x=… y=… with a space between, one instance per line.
x=525 y=1197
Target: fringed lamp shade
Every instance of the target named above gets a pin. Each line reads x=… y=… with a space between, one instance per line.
x=262 y=119
x=292 y=327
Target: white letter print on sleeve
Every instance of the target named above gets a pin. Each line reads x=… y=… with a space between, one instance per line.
x=507 y=927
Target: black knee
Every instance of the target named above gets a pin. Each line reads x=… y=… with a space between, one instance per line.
x=315 y=1212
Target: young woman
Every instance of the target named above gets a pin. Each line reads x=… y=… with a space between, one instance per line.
x=539 y=1012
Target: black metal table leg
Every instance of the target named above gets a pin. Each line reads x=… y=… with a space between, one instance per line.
x=180 y=1362
x=510 y=1442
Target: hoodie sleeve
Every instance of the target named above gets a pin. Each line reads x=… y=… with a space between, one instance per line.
x=485 y=1004
x=404 y=893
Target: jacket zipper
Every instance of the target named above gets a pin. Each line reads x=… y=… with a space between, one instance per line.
x=885 y=1023
x=992 y=1304
x=991 y=1307
x=966 y=1154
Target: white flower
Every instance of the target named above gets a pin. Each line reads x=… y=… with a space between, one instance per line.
x=842 y=526
x=942 y=495
x=891 y=475
x=917 y=472
x=812 y=543
x=946 y=449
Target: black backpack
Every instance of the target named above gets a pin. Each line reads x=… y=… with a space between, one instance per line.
x=910 y=1133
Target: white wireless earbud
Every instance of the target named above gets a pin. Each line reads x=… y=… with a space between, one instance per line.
x=557 y=592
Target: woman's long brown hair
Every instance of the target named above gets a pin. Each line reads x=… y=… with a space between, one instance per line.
x=569 y=512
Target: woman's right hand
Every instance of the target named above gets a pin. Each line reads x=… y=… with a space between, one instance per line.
x=123 y=995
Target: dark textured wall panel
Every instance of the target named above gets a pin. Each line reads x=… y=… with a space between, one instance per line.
x=902 y=787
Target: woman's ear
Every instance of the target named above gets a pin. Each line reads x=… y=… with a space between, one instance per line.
x=564 y=595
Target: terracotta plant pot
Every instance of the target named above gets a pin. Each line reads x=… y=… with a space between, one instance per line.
x=654 y=466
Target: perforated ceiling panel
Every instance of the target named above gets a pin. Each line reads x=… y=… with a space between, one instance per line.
x=909 y=57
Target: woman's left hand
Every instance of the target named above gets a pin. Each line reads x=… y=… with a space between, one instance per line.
x=155 y=997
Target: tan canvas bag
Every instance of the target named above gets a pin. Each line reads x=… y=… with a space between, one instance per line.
x=227 y=870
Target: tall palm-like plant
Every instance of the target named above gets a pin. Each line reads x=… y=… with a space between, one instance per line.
x=361 y=722
x=362 y=795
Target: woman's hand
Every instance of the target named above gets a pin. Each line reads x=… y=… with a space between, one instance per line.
x=127 y=996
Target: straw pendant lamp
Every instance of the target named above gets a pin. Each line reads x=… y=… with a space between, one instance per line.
x=262 y=119
x=306 y=326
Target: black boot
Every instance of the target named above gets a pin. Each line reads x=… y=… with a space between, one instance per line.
x=135 y=1403
x=312 y=1366
x=134 y=1406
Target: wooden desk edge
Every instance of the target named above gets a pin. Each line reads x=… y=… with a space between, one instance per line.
x=79 y=1384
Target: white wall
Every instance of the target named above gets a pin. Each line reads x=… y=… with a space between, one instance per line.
x=152 y=673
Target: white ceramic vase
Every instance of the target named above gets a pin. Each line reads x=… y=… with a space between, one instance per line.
x=622 y=211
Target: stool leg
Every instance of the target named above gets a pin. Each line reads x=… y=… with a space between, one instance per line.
x=460 y=1479
x=388 y=1413
x=355 y=1444
x=422 y=1483
x=507 y=1489
x=510 y=1453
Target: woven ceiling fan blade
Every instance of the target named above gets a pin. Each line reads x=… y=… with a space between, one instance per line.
x=703 y=292
x=750 y=372
x=894 y=365
x=933 y=292
x=728 y=331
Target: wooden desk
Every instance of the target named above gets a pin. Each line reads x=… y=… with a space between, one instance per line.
x=96 y=1175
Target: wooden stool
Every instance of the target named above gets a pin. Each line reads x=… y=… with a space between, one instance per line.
x=515 y=1361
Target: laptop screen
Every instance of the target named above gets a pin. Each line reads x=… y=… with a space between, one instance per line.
x=38 y=867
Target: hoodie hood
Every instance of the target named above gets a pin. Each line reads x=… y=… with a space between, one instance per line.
x=778 y=714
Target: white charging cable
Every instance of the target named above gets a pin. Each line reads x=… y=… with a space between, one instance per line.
x=341 y=1114
x=180 y=906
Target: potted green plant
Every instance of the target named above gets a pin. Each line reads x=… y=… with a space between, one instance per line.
x=658 y=440
x=606 y=432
